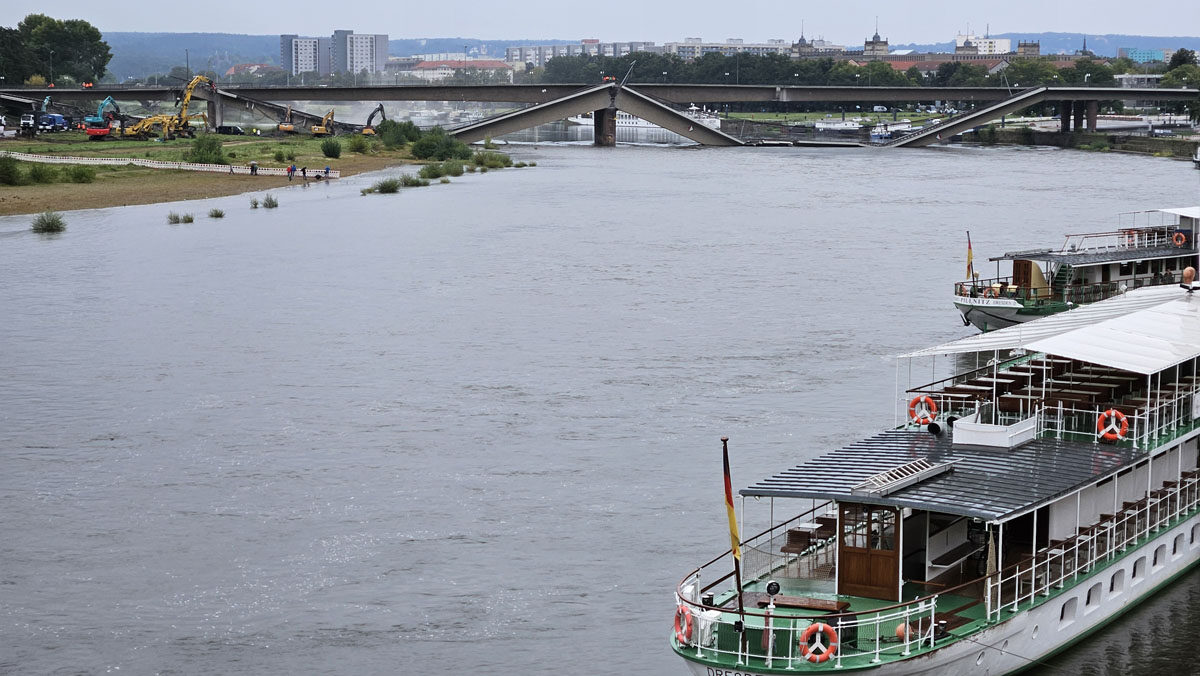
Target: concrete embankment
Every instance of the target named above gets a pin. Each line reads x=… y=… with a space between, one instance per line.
x=1127 y=143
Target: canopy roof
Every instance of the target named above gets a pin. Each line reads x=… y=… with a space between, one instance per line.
x=1022 y=335
x=1146 y=341
x=1187 y=212
x=987 y=483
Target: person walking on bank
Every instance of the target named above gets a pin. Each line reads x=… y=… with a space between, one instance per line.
x=291 y=170
x=304 y=173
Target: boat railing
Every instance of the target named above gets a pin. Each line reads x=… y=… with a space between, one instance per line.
x=1142 y=419
x=767 y=638
x=1004 y=287
x=1063 y=562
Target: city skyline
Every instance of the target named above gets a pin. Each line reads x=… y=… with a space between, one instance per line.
x=757 y=20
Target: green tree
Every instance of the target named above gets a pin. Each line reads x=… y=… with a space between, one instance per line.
x=70 y=49
x=1187 y=75
x=1181 y=57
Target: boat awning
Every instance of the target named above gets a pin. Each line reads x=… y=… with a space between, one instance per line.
x=1146 y=341
x=1022 y=335
x=1186 y=212
x=1082 y=258
x=985 y=483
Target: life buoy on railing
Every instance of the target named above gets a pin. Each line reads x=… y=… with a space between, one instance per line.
x=818 y=651
x=683 y=625
x=923 y=409
x=1112 y=425
x=1179 y=238
x=991 y=292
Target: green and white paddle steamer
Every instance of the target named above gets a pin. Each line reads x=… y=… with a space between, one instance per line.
x=1019 y=506
x=1148 y=248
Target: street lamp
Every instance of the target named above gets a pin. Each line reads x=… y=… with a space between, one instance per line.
x=51 y=67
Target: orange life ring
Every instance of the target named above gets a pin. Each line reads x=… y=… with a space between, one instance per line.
x=1180 y=239
x=683 y=625
x=991 y=292
x=1112 y=425
x=809 y=652
x=928 y=411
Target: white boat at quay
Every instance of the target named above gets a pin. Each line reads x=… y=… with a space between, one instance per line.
x=627 y=121
x=1022 y=504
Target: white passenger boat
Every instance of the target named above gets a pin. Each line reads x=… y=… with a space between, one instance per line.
x=628 y=121
x=837 y=125
x=1022 y=505
x=1146 y=249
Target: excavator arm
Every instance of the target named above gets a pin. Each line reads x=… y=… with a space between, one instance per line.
x=326 y=126
x=369 y=129
x=186 y=99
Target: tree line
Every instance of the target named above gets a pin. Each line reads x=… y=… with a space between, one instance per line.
x=43 y=50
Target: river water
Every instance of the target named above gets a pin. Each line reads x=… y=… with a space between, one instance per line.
x=475 y=427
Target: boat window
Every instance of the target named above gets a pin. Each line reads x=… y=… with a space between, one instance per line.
x=1139 y=569
x=1195 y=533
x=1093 y=595
x=854 y=526
x=1117 y=584
x=1142 y=268
x=868 y=528
x=1126 y=269
x=1177 y=547
x=1160 y=555
x=1067 y=614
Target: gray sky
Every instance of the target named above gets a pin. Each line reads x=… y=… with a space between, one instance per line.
x=655 y=20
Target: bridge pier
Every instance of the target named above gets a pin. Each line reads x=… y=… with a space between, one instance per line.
x=1079 y=110
x=214 y=113
x=604 y=122
x=1093 y=112
x=1064 y=116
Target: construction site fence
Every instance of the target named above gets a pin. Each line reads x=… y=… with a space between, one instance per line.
x=241 y=169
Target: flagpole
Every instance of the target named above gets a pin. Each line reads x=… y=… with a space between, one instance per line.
x=736 y=548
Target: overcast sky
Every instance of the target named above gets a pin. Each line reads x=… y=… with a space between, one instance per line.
x=654 y=20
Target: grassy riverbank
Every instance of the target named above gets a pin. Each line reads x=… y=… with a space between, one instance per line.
x=122 y=186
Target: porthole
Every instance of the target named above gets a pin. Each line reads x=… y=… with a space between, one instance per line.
x=1035 y=632
x=1004 y=646
x=979 y=660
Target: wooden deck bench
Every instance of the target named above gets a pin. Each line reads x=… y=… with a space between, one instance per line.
x=761 y=600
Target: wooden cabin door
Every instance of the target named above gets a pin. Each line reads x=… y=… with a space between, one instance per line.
x=869 y=551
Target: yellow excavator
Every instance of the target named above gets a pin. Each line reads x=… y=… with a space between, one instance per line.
x=326 y=126
x=182 y=119
x=286 y=125
x=369 y=130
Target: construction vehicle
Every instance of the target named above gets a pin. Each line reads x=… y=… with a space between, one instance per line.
x=326 y=126
x=286 y=125
x=369 y=130
x=99 y=126
x=181 y=124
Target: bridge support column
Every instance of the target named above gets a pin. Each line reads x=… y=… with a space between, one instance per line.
x=605 y=124
x=1079 y=111
x=214 y=114
x=1093 y=112
x=1064 y=117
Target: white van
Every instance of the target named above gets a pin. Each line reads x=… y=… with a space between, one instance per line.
x=880 y=109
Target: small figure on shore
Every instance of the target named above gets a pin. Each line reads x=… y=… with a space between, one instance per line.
x=231 y=168
x=253 y=168
x=304 y=173
x=291 y=171
x=326 y=171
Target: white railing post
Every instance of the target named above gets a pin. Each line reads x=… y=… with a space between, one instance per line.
x=841 y=645
x=877 y=658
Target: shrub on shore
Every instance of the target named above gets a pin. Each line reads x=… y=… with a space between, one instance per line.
x=436 y=144
x=358 y=144
x=216 y=213
x=253 y=202
x=173 y=218
x=81 y=174
x=10 y=171
x=187 y=218
x=269 y=202
x=410 y=181
x=331 y=148
x=206 y=149
x=42 y=173
x=492 y=160
x=49 y=222
x=396 y=134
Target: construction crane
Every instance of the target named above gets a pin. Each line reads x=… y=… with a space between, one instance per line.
x=326 y=126
x=286 y=125
x=369 y=130
x=99 y=126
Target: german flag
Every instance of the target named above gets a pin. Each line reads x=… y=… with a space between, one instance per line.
x=734 y=540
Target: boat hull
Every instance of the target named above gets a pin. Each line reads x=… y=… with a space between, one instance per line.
x=989 y=314
x=1012 y=644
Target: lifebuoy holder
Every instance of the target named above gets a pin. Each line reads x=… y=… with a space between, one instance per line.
x=818 y=652
x=683 y=625
x=922 y=409
x=1179 y=238
x=1112 y=425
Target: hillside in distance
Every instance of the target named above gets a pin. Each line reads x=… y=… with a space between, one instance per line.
x=141 y=54
x=1069 y=43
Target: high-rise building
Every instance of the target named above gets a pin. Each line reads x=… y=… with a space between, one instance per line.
x=344 y=52
x=985 y=44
